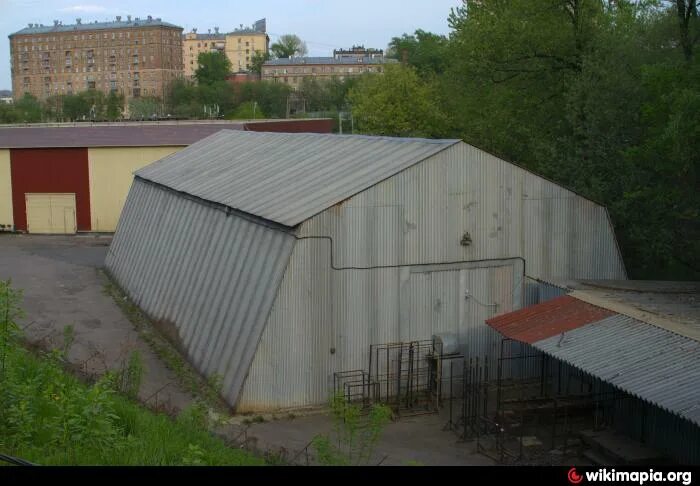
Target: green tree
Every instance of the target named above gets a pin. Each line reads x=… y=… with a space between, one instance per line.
x=427 y=52
x=396 y=103
x=257 y=60
x=214 y=67
x=145 y=108
x=114 y=105
x=271 y=97
x=28 y=109
x=8 y=113
x=76 y=107
x=248 y=110
x=289 y=45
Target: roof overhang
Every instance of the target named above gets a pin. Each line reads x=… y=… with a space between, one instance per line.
x=650 y=362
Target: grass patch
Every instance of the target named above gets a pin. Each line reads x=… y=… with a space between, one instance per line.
x=49 y=417
x=205 y=390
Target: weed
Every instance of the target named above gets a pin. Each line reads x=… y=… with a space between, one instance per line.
x=47 y=416
x=208 y=390
x=129 y=377
x=68 y=339
x=356 y=434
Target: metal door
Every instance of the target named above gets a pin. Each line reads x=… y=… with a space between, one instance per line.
x=51 y=213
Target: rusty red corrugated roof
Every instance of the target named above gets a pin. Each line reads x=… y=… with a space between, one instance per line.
x=548 y=319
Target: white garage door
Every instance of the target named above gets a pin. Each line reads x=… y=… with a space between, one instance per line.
x=51 y=214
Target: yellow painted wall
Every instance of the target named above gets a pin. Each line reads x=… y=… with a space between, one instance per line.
x=5 y=191
x=111 y=173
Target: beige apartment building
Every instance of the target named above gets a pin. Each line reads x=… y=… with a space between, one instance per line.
x=135 y=57
x=243 y=43
x=194 y=44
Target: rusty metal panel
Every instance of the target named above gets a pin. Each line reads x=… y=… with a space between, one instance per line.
x=551 y=318
x=210 y=275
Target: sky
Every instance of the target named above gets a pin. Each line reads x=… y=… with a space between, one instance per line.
x=323 y=24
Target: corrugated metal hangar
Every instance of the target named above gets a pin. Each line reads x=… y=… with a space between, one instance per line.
x=280 y=258
x=68 y=179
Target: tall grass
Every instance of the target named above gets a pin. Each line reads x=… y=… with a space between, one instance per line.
x=49 y=417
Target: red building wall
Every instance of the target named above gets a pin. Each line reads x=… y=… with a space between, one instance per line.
x=320 y=125
x=61 y=170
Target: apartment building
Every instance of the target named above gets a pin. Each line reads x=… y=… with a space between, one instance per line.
x=135 y=57
x=194 y=44
x=358 y=52
x=243 y=43
x=292 y=71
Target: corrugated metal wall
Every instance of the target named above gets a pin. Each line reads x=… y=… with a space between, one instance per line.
x=211 y=275
x=415 y=218
x=6 y=220
x=111 y=173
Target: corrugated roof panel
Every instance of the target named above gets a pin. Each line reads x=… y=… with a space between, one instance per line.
x=646 y=361
x=286 y=178
x=551 y=318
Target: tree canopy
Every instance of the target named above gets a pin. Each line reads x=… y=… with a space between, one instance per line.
x=289 y=45
x=599 y=96
x=212 y=67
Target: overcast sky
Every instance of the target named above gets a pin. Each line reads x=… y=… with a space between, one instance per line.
x=323 y=24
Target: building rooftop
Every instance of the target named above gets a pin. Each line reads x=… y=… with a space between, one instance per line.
x=286 y=178
x=80 y=26
x=205 y=36
x=620 y=338
x=126 y=134
x=674 y=306
x=297 y=61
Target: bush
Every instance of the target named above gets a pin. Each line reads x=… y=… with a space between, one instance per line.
x=47 y=416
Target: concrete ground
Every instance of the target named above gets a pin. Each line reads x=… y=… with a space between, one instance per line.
x=62 y=286
x=417 y=440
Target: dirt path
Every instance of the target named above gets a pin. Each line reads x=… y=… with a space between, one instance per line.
x=63 y=286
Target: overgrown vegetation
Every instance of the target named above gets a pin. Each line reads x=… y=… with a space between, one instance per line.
x=207 y=392
x=355 y=434
x=48 y=417
x=597 y=95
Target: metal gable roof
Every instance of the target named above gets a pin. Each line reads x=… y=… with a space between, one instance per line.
x=286 y=178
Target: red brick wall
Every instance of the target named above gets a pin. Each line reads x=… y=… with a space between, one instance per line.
x=63 y=170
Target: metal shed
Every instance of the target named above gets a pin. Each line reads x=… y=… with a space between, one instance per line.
x=280 y=258
x=642 y=338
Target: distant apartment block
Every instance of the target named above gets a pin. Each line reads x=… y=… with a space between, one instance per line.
x=243 y=43
x=194 y=44
x=358 y=52
x=239 y=46
x=344 y=63
x=135 y=57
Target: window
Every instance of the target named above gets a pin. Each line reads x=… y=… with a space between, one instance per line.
x=91 y=84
